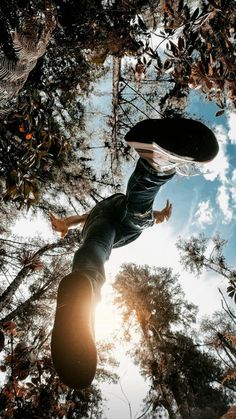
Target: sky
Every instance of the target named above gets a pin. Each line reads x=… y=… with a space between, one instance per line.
x=205 y=203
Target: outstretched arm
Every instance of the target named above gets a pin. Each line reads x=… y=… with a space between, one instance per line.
x=164 y=214
x=62 y=225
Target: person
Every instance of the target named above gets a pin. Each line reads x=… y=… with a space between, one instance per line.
x=165 y=147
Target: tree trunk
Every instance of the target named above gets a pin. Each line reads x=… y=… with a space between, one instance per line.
x=8 y=294
x=115 y=102
x=181 y=401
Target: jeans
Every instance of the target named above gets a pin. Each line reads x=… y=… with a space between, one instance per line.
x=117 y=221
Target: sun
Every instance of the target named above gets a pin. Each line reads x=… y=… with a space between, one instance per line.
x=107 y=317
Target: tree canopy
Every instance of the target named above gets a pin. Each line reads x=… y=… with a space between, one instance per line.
x=53 y=54
x=184 y=379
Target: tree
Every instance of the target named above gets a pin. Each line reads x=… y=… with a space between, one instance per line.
x=219 y=334
x=46 y=158
x=40 y=135
x=32 y=388
x=31 y=272
x=196 y=256
x=184 y=380
x=202 y=253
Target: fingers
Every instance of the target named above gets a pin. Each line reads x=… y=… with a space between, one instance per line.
x=54 y=222
x=52 y=216
x=167 y=210
x=52 y=219
x=168 y=205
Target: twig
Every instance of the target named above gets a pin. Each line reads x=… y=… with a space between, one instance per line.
x=126 y=398
x=144 y=413
x=229 y=310
x=130 y=103
x=139 y=94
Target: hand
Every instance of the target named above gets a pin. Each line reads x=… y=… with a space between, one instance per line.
x=163 y=215
x=58 y=225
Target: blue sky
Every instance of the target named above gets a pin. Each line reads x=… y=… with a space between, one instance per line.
x=205 y=203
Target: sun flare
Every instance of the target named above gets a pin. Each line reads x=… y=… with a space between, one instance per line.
x=107 y=316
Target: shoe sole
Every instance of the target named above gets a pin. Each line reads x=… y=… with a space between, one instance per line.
x=182 y=138
x=73 y=347
x=153 y=151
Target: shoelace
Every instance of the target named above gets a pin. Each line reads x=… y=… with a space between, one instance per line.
x=188 y=169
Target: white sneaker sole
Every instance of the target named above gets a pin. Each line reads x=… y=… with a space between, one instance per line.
x=153 y=151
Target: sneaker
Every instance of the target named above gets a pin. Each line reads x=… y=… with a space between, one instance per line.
x=162 y=160
x=73 y=347
x=173 y=145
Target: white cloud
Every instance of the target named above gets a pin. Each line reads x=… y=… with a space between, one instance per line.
x=232 y=126
x=220 y=165
x=219 y=169
x=223 y=199
x=29 y=227
x=204 y=213
x=154 y=247
x=233 y=188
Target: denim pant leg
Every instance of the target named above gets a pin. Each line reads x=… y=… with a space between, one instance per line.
x=111 y=224
x=95 y=251
x=142 y=188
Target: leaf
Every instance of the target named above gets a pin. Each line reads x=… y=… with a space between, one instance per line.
x=208 y=83
x=211 y=59
x=167 y=64
x=170 y=9
x=28 y=206
x=210 y=70
x=22 y=370
x=195 y=14
x=181 y=5
x=180 y=43
x=193 y=36
x=219 y=113
x=142 y=24
x=9 y=326
x=27 y=189
x=2 y=340
x=221 y=69
x=151 y=52
x=29 y=384
x=173 y=48
x=186 y=12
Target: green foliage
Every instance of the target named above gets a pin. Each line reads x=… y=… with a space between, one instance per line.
x=197 y=56
x=199 y=253
x=148 y=292
x=219 y=333
x=44 y=157
x=31 y=386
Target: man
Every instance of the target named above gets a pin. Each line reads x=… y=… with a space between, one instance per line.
x=166 y=147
